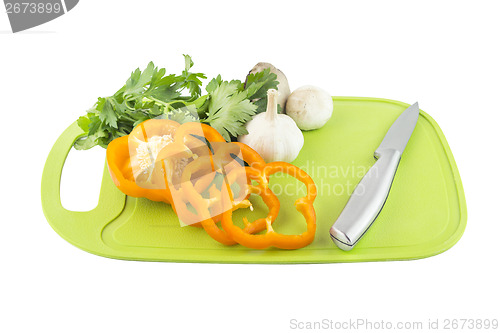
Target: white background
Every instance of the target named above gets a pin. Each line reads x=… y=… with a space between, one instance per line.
x=444 y=54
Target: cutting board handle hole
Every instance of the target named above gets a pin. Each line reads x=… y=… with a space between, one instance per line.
x=81 y=179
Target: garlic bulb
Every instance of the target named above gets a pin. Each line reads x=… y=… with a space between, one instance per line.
x=311 y=107
x=274 y=136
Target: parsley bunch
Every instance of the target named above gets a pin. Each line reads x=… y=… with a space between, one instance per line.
x=233 y=103
x=227 y=106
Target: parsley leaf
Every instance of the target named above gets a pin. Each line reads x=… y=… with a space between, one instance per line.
x=191 y=80
x=229 y=108
x=151 y=93
x=184 y=115
x=108 y=115
x=232 y=103
x=135 y=84
x=146 y=94
x=258 y=84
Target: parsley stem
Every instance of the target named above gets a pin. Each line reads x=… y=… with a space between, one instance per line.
x=158 y=101
x=124 y=116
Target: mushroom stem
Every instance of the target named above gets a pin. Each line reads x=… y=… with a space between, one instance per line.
x=272 y=105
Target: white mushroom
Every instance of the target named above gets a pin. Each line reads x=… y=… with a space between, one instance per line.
x=283 y=87
x=311 y=107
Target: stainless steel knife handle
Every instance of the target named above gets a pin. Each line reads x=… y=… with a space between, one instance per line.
x=367 y=201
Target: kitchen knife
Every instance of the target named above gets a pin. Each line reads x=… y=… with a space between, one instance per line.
x=370 y=194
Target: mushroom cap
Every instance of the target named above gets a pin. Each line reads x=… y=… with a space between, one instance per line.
x=311 y=107
x=283 y=87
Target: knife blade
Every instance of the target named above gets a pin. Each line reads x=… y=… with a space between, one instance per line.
x=371 y=193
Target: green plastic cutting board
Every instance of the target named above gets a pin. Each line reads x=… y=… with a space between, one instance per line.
x=425 y=213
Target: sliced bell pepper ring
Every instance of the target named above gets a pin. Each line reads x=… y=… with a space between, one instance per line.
x=200 y=204
x=145 y=142
x=198 y=130
x=262 y=190
x=192 y=138
x=188 y=191
x=304 y=205
x=123 y=160
x=221 y=236
x=196 y=136
x=200 y=186
x=234 y=155
x=250 y=156
x=118 y=161
x=196 y=148
x=227 y=156
x=210 y=210
x=132 y=163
